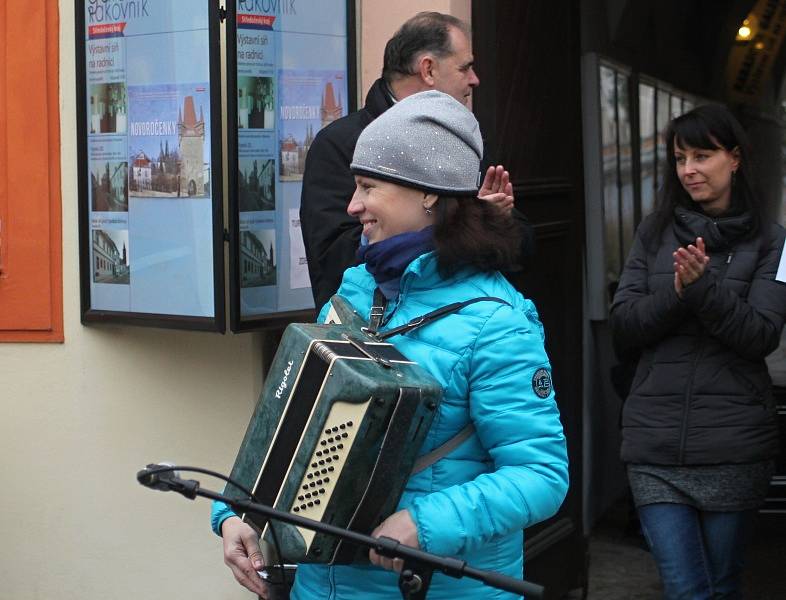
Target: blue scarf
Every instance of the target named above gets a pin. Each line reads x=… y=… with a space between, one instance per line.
x=387 y=260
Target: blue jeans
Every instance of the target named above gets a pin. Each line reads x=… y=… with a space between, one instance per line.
x=700 y=554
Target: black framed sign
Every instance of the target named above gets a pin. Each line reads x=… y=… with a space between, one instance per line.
x=149 y=133
x=290 y=72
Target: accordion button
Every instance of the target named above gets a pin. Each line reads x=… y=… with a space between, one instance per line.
x=319 y=452
x=330 y=440
x=331 y=469
x=319 y=482
x=310 y=475
x=296 y=509
x=321 y=462
x=301 y=497
x=323 y=443
x=316 y=501
x=349 y=424
x=340 y=446
x=327 y=480
x=311 y=504
x=314 y=465
x=322 y=491
x=327 y=431
x=342 y=426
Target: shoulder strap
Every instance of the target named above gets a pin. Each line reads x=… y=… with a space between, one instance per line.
x=430 y=458
x=378 y=307
x=434 y=315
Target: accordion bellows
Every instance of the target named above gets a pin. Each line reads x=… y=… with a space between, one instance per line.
x=334 y=436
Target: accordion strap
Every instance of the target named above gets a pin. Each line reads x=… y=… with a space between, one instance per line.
x=429 y=317
x=429 y=459
x=378 y=307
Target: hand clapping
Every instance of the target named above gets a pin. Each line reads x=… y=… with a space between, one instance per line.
x=689 y=265
x=497 y=188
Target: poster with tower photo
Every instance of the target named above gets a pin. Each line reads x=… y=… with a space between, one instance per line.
x=169 y=140
x=309 y=100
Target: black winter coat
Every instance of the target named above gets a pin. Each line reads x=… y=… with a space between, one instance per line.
x=701 y=394
x=330 y=235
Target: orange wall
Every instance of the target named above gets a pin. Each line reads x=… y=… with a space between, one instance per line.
x=31 y=294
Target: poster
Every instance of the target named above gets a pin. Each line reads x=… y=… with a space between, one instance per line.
x=148 y=148
x=291 y=83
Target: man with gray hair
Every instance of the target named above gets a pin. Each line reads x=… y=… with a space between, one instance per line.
x=430 y=51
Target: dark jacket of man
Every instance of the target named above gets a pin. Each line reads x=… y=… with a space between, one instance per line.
x=330 y=235
x=701 y=394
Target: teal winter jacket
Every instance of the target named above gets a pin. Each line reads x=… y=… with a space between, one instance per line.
x=511 y=473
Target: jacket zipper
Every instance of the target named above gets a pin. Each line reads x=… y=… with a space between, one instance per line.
x=688 y=399
x=689 y=394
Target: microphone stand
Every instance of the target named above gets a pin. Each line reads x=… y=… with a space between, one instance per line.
x=415 y=576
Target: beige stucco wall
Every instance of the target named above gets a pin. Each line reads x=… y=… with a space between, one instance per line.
x=77 y=420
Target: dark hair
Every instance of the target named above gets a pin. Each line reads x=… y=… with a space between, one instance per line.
x=425 y=32
x=469 y=232
x=709 y=127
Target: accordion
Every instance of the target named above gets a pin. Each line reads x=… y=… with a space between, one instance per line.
x=334 y=436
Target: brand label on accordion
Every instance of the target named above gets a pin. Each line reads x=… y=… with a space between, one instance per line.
x=283 y=385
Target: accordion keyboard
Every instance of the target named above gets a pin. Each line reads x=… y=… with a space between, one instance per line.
x=326 y=462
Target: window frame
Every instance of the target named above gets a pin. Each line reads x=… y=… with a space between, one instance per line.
x=599 y=284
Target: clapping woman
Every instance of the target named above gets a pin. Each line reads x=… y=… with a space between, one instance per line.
x=698 y=297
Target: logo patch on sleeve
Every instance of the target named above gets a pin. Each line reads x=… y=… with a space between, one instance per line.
x=541 y=383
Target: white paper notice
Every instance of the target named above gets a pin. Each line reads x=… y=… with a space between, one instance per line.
x=298 y=266
x=781 y=274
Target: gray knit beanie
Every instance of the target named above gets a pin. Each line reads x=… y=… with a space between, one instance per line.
x=428 y=141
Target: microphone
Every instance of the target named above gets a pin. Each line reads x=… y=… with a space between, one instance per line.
x=164 y=478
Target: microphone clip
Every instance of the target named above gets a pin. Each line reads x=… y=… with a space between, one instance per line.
x=165 y=478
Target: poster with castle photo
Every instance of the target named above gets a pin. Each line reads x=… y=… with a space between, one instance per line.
x=308 y=101
x=169 y=140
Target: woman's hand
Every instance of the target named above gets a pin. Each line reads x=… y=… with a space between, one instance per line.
x=398 y=526
x=243 y=556
x=497 y=189
x=689 y=264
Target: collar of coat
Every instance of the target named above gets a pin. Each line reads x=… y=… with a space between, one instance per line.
x=718 y=232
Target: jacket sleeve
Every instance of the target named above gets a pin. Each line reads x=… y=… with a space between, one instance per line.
x=519 y=429
x=331 y=237
x=219 y=512
x=527 y=237
x=750 y=326
x=639 y=316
